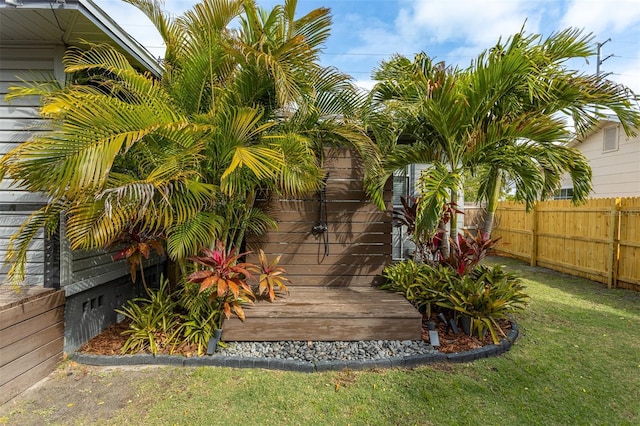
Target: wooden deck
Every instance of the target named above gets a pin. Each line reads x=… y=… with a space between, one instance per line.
x=328 y=314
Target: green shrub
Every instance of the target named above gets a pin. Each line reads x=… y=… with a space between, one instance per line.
x=487 y=295
x=421 y=284
x=202 y=316
x=155 y=322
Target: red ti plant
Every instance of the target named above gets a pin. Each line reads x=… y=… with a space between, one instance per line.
x=469 y=250
x=429 y=243
x=138 y=246
x=271 y=276
x=225 y=278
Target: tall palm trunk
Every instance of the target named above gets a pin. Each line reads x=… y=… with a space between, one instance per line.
x=486 y=227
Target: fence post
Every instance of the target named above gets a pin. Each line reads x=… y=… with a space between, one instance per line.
x=614 y=244
x=534 y=235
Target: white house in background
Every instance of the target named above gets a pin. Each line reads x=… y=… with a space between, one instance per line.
x=33 y=37
x=614 y=160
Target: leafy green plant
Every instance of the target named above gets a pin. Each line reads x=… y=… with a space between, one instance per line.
x=486 y=296
x=202 y=316
x=421 y=284
x=155 y=322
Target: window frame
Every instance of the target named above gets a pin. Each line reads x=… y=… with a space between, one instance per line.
x=616 y=139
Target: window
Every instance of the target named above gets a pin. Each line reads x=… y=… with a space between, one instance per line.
x=564 y=194
x=400 y=186
x=610 y=142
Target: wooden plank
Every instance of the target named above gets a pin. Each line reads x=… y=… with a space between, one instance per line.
x=290 y=259
x=31 y=342
x=16 y=332
x=334 y=281
x=625 y=243
x=357 y=228
x=312 y=313
x=337 y=269
x=334 y=216
x=282 y=238
x=311 y=206
x=324 y=329
x=534 y=237
x=31 y=377
x=31 y=308
x=548 y=263
x=614 y=238
x=26 y=362
x=573 y=238
x=316 y=247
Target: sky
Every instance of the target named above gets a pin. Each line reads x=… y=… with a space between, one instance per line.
x=366 y=32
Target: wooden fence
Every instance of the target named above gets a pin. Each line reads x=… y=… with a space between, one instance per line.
x=599 y=240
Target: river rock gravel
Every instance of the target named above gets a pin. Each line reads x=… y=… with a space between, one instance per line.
x=312 y=351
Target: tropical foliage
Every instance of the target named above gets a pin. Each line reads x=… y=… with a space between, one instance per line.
x=180 y=157
x=190 y=315
x=154 y=321
x=459 y=286
x=505 y=117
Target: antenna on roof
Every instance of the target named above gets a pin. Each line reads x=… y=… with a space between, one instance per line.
x=600 y=61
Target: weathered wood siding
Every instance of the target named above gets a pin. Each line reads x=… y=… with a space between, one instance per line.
x=31 y=336
x=357 y=244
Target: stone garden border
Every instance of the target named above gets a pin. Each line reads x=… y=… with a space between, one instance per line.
x=301 y=366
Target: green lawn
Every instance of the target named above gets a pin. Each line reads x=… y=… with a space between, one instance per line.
x=577 y=361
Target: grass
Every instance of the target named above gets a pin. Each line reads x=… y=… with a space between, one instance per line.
x=577 y=361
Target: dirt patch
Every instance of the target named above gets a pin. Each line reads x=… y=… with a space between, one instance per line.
x=75 y=394
x=460 y=342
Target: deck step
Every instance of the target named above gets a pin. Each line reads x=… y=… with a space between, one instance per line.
x=328 y=314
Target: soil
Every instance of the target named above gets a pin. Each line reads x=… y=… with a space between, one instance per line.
x=111 y=340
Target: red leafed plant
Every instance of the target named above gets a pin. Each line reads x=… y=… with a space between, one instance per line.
x=469 y=250
x=138 y=246
x=226 y=278
x=271 y=276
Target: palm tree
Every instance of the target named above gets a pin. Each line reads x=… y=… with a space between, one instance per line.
x=182 y=157
x=539 y=94
x=501 y=118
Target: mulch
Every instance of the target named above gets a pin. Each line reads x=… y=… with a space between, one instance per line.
x=111 y=340
x=460 y=342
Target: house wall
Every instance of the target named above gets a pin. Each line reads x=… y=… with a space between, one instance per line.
x=19 y=120
x=94 y=285
x=615 y=173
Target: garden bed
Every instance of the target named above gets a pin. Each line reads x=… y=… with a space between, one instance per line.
x=454 y=347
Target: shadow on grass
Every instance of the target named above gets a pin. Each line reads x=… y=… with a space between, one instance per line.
x=581 y=288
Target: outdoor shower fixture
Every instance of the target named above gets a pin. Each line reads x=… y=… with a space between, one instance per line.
x=321 y=228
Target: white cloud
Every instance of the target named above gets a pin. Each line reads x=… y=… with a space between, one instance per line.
x=477 y=23
x=602 y=15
